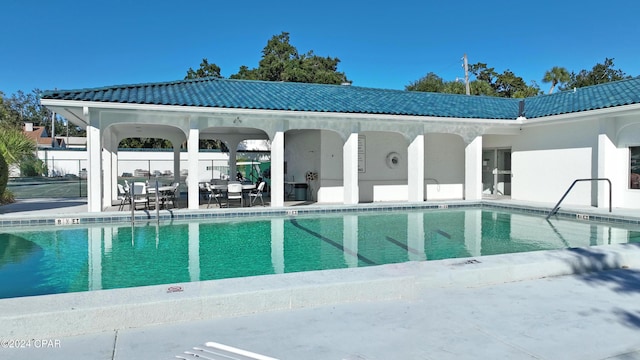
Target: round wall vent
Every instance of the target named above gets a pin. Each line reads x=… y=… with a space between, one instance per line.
x=393 y=160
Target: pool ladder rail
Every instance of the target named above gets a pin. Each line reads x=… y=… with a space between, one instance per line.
x=555 y=208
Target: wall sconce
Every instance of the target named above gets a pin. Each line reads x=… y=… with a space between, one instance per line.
x=237 y=120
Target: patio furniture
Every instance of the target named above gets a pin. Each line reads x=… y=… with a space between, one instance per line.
x=257 y=193
x=173 y=195
x=139 y=195
x=123 y=196
x=234 y=192
x=215 y=192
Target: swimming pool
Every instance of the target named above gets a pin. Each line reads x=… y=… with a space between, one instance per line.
x=37 y=261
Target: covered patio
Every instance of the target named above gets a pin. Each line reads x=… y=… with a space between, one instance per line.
x=352 y=145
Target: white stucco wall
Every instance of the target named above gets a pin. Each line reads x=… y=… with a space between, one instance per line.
x=547 y=159
x=444 y=162
x=63 y=162
x=381 y=182
x=331 y=172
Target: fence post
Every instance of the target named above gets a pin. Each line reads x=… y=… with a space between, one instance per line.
x=79 y=177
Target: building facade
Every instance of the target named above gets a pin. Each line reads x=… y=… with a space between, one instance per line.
x=351 y=144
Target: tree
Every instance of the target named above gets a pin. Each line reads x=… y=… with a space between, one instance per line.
x=4 y=176
x=8 y=116
x=506 y=84
x=528 y=91
x=557 y=75
x=145 y=143
x=509 y=85
x=14 y=145
x=487 y=83
x=28 y=108
x=281 y=61
x=479 y=87
x=483 y=73
x=429 y=83
x=599 y=74
x=205 y=70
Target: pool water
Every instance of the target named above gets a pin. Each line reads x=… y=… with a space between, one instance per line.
x=39 y=261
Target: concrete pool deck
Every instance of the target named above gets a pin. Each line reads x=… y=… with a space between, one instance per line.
x=569 y=304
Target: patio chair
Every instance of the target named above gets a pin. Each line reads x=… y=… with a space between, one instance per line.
x=234 y=192
x=215 y=194
x=123 y=196
x=140 y=195
x=173 y=196
x=257 y=193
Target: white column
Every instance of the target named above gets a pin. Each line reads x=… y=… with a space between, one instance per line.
x=473 y=169
x=194 y=251
x=277 y=245
x=607 y=158
x=415 y=176
x=473 y=232
x=107 y=170
x=350 y=242
x=114 y=169
x=95 y=258
x=109 y=234
x=233 y=151
x=192 y=179
x=415 y=236
x=94 y=168
x=176 y=163
x=350 y=170
x=277 y=170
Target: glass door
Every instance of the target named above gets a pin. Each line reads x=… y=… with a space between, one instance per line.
x=496 y=171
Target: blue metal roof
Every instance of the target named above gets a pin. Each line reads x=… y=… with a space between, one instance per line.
x=265 y=95
x=617 y=93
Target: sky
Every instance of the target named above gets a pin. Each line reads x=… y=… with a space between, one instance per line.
x=66 y=44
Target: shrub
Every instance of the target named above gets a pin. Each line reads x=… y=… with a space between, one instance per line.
x=33 y=166
x=7 y=197
x=4 y=174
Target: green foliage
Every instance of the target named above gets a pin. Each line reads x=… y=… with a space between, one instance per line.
x=429 y=83
x=26 y=108
x=145 y=143
x=213 y=144
x=506 y=84
x=281 y=61
x=4 y=175
x=7 y=197
x=205 y=70
x=479 y=87
x=483 y=73
x=528 y=91
x=33 y=166
x=599 y=74
x=557 y=75
x=487 y=83
x=14 y=145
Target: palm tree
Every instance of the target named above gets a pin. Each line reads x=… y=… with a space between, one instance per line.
x=14 y=145
x=555 y=76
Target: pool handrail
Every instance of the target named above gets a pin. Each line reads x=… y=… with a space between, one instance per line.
x=555 y=208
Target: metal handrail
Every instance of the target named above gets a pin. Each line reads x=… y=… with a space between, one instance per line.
x=555 y=208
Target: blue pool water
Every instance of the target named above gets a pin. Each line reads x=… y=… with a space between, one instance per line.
x=38 y=261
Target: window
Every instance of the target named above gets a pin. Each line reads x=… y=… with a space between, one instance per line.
x=634 y=176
